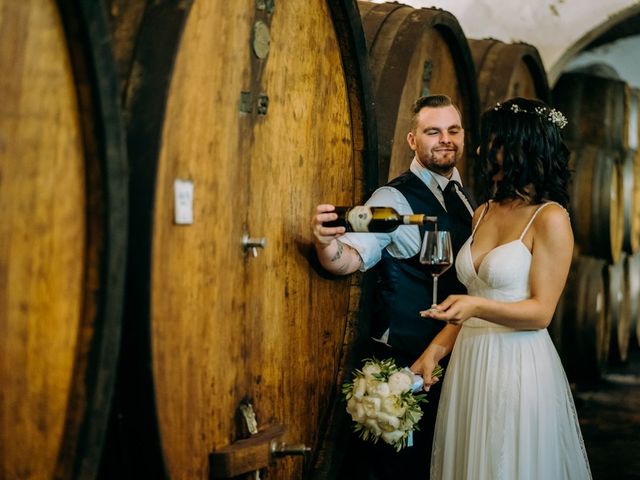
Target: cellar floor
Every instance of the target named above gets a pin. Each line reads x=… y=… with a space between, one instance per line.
x=609 y=413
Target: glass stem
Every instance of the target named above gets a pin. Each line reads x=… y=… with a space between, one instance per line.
x=435 y=291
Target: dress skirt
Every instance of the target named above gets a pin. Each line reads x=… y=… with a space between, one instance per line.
x=506 y=411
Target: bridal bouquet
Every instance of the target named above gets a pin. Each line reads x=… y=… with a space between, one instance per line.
x=382 y=402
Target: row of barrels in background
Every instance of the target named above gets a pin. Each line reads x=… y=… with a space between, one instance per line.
x=130 y=338
x=596 y=322
x=415 y=52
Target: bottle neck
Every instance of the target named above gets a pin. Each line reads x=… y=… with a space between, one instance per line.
x=418 y=219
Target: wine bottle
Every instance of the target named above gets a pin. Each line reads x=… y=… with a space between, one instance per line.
x=361 y=218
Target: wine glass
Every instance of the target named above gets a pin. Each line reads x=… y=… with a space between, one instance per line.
x=437 y=256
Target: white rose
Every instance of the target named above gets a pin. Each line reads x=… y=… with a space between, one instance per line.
x=371 y=406
x=370 y=369
x=400 y=382
x=392 y=437
x=393 y=406
x=372 y=386
x=356 y=410
x=388 y=422
x=382 y=390
x=360 y=388
x=351 y=405
x=372 y=425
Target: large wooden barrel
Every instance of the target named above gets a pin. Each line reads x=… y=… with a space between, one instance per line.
x=618 y=309
x=632 y=274
x=262 y=108
x=566 y=306
x=630 y=178
x=125 y=17
x=596 y=108
x=586 y=332
x=63 y=233
x=506 y=70
x=414 y=52
x=596 y=201
x=633 y=116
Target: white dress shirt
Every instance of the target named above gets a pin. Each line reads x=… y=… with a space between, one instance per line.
x=404 y=242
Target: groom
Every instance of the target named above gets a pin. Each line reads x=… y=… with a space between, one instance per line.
x=432 y=186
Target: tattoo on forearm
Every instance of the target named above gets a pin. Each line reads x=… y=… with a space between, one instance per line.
x=338 y=253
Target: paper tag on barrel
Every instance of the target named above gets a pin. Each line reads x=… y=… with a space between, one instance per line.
x=183 y=202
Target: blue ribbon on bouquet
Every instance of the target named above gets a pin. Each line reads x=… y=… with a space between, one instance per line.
x=416 y=386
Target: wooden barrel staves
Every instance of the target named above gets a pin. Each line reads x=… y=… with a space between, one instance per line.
x=235 y=136
x=415 y=52
x=618 y=309
x=633 y=120
x=596 y=107
x=630 y=178
x=586 y=332
x=63 y=233
x=506 y=70
x=632 y=273
x=596 y=202
x=555 y=328
x=125 y=17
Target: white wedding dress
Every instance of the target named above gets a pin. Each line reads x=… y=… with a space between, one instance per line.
x=506 y=410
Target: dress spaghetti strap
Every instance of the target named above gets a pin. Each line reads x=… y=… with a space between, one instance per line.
x=533 y=217
x=480 y=219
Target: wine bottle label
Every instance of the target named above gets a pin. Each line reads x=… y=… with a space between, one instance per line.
x=359 y=217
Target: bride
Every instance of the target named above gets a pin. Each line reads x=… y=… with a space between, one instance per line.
x=506 y=410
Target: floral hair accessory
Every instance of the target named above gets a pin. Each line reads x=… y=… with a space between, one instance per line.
x=550 y=114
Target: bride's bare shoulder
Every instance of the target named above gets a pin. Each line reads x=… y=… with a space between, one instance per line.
x=553 y=211
x=553 y=219
x=480 y=210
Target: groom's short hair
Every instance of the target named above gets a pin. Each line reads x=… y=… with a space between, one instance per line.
x=431 y=101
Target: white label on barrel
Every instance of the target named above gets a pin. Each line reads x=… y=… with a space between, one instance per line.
x=183 y=191
x=359 y=217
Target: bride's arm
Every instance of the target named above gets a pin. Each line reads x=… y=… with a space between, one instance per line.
x=439 y=348
x=442 y=344
x=551 y=259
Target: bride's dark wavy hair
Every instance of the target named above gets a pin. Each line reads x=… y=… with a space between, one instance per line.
x=534 y=153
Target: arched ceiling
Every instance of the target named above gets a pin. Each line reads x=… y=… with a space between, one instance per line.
x=559 y=29
x=626 y=28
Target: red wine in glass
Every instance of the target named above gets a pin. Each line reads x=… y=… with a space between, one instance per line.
x=436 y=255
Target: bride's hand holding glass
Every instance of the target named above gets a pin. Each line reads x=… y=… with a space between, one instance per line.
x=436 y=255
x=455 y=309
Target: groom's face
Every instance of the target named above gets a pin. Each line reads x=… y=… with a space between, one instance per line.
x=438 y=138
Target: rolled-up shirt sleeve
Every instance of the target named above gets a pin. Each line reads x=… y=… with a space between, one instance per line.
x=401 y=243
